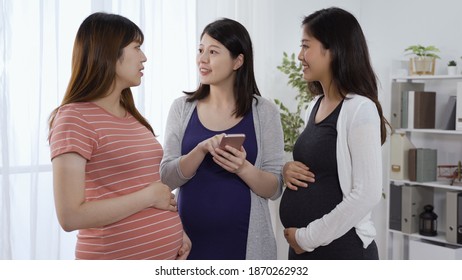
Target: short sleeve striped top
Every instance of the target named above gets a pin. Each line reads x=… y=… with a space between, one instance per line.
x=123 y=156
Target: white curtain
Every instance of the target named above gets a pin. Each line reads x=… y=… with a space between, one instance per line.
x=36 y=39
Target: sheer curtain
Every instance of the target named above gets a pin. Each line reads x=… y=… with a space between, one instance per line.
x=36 y=39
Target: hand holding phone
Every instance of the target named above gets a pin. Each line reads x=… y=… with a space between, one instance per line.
x=233 y=140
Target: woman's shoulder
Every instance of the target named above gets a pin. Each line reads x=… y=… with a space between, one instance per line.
x=79 y=116
x=77 y=108
x=181 y=104
x=264 y=105
x=360 y=106
x=356 y=101
x=180 y=100
x=183 y=101
x=354 y=98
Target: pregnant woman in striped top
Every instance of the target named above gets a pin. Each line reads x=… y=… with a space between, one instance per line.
x=105 y=155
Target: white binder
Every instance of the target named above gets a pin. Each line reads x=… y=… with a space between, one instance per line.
x=399 y=145
x=414 y=198
x=453 y=217
x=459 y=107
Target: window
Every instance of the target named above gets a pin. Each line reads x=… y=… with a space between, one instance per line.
x=35 y=57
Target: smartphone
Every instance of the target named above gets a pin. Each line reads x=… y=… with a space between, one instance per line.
x=233 y=140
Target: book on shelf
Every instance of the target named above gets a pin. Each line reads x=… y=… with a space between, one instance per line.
x=417 y=109
x=399 y=145
x=448 y=117
x=422 y=165
x=424 y=109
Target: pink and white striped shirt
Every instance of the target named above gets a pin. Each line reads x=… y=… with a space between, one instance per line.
x=123 y=156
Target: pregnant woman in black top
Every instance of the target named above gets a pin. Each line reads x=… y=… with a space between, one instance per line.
x=335 y=179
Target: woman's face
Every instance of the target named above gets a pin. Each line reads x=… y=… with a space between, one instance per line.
x=314 y=58
x=216 y=66
x=130 y=65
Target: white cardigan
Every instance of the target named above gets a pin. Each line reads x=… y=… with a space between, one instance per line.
x=359 y=162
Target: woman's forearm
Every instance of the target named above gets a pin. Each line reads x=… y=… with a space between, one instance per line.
x=191 y=161
x=261 y=182
x=99 y=213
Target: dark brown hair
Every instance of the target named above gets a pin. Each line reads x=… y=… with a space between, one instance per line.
x=236 y=39
x=340 y=33
x=98 y=45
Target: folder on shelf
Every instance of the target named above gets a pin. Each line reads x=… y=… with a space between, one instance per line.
x=422 y=165
x=407 y=109
x=448 y=117
x=424 y=109
x=413 y=200
x=459 y=107
x=399 y=146
x=395 y=207
x=412 y=154
x=454 y=217
x=410 y=109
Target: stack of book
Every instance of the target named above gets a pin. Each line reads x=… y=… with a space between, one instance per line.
x=418 y=109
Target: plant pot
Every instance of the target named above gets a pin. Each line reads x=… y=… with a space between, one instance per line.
x=452 y=70
x=422 y=65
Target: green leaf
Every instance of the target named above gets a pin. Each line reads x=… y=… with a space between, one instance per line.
x=292 y=123
x=420 y=50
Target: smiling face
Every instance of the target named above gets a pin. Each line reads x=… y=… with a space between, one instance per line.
x=215 y=63
x=314 y=58
x=129 y=66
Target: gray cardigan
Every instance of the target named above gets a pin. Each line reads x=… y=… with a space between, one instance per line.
x=261 y=243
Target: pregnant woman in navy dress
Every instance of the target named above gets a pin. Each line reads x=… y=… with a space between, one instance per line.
x=223 y=196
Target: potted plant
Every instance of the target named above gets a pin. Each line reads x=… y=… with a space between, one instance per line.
x=452 y=68
x=292 y=122
x=423 y=62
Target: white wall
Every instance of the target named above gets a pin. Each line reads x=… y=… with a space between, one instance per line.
x=389 y=26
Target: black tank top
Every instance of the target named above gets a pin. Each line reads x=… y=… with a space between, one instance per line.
x=316 y=148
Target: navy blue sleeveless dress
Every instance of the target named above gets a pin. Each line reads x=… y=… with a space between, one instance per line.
x=214 y=205
x=316 y=148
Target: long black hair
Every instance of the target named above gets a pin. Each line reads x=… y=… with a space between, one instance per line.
x=340 y=33
x=236 y=39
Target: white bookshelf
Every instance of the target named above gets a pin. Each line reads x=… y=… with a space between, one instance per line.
x=440 y=237
x=437 y=184
x=428 y=131
x=425 y=78
x=448 y=143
